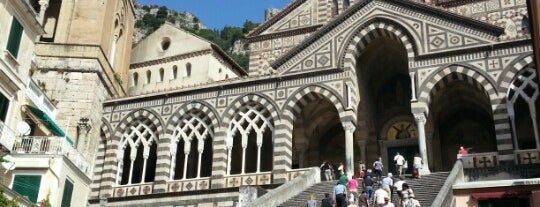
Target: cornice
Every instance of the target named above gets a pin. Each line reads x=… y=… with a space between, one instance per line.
x=288 y=33
x=170 y=59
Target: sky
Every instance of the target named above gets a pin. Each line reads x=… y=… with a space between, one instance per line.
x=215 y=14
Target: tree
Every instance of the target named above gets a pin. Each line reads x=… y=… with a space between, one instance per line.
x=248 y=26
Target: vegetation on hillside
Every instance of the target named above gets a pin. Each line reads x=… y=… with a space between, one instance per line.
x=149 y=20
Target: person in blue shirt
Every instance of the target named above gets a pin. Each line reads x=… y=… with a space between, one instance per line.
x=339 y=195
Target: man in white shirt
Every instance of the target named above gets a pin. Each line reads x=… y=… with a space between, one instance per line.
x=378 y=199
x=399 y=187
x=400 y=161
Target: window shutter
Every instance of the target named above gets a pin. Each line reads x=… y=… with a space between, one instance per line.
x=27 y=186
x=15 y=35
x=66 y=196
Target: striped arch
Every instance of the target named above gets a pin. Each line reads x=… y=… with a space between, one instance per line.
x=304 y=96
x=105 y=134
x=509 y=74
x=200 y=106
x=371 y=30
x=437 y=81
x=265 y=101
x=149 y=114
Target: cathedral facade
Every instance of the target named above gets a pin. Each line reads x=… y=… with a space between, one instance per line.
x=344 y=81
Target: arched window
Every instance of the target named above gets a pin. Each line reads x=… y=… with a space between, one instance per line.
x=188 y=69
x=148 y=76
x=161 y=74
x=135 y=78
x=226 y=76
x=250 y=137
x=175 y=71
x=220 y=70
x=522 y=104
x=191 y=147
x=138 y=153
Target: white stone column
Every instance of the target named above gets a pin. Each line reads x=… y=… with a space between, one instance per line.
x=43 y=5
x=113 y=49
x=413 y=86
x=420 y=124
x=349 y=128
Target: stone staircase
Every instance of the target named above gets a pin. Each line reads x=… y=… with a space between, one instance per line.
x=425 y=190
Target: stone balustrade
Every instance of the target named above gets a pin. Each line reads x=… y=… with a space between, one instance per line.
x=52 y=146
x=262 y=178
x=480 y=160
x=133 y=190
x=527 y=157
x=188 y=185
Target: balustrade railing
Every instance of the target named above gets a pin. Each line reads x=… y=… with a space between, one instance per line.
x=527 y=157
x=7 y=136
x=52 y=146
x=480 y=160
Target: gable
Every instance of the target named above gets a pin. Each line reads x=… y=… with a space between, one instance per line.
x=423 y=30
x=180 y=42
x=298 y=14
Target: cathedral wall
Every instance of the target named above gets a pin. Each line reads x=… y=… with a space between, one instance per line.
x=507 y=14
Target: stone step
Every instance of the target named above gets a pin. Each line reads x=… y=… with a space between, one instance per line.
x=425 y=189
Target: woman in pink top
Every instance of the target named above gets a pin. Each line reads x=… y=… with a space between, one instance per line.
x=352 y=185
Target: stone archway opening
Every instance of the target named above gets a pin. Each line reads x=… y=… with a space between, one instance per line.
x=318 y=133
x=385 y=87
x=461 y=116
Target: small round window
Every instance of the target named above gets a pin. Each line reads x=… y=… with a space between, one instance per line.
x=165 y=43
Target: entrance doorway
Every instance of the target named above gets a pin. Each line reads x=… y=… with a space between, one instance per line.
x=407 y=152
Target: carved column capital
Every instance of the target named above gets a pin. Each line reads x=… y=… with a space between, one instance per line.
x=84 y=124
x=420 y=117
x=349 y=126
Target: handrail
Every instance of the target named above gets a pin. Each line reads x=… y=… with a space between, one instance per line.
x=288 y=190
x=445 y=198
x=52 y=146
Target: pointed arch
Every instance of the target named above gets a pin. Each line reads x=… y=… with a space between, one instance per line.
x=302 y=96
x=381 y=26
x=137 y=137
x=509 y=73
x=251 y=134
x=192 y=130
x=445 y=75
x=262 y=99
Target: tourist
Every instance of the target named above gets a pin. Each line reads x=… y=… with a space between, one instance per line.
x=341 y=169
x=387 y=183
x=361 y=169
x=399 y=187
x=417 y=165
x=406 y=193
x=379 y=195
x=411 y=202
x=325 y=167
x=388 y=203
x=462 y=151
x=327 y=201
x=368 y=185
x=343 y=180
x=339 y=195
x=399 y=161
x=378 y=166
x=311 y=202
x=352 y=185
x=363 y=200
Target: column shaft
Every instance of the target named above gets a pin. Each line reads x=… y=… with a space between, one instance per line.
x=349 y=144
x=420 y=123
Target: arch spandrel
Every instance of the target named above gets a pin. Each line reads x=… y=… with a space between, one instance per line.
x=510 y=72
x=424 y=30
